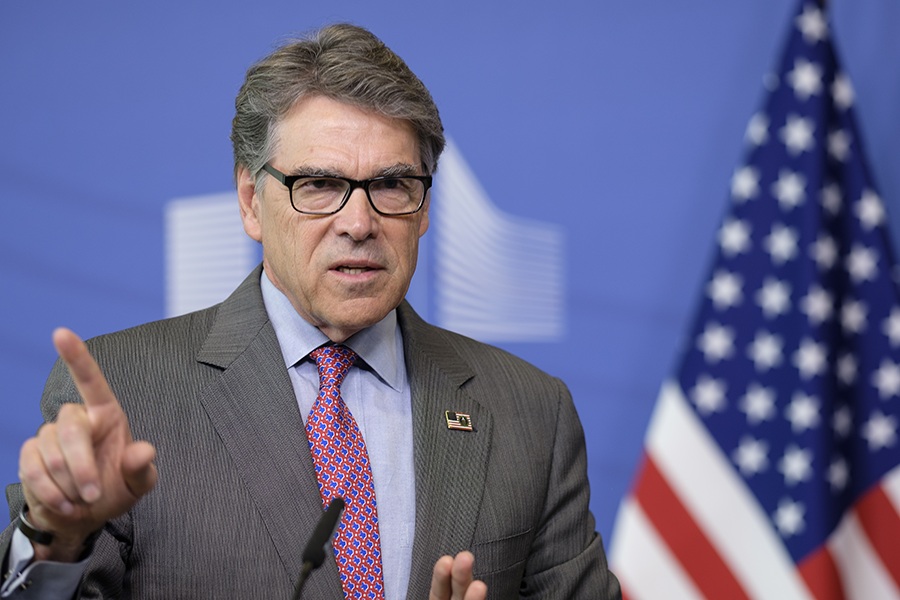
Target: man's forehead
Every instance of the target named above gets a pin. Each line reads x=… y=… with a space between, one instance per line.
x=322 y=136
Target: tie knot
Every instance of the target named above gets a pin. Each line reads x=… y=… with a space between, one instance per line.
x=333 y=363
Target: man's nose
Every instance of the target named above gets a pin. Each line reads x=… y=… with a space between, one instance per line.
x=358 y=218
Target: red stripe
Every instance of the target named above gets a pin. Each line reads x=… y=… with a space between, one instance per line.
x=821 y=575
x=881 y=523
x=688 y=543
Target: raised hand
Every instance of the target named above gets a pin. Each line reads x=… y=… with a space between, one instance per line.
x=452 y=579
x=84 y=469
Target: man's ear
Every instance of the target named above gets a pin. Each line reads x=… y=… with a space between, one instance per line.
x=249 y=203
x=423 y=223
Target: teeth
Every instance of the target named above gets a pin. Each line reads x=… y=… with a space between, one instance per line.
x=353 y=270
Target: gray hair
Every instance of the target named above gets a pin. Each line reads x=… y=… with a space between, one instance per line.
x=342 y=62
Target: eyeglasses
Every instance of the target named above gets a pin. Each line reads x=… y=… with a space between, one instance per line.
x=318 y=195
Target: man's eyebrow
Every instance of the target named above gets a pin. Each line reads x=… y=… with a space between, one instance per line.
x=308 y=171
x=396 y=170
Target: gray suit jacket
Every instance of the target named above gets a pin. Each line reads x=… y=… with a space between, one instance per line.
x=237 y=495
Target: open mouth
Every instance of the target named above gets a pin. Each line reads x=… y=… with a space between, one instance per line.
x=354 y=270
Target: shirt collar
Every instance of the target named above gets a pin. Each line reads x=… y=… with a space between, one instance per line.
x=379 y=345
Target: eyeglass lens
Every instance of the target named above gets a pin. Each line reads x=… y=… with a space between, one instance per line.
x=390 y=195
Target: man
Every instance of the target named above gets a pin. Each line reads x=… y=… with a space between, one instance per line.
x=313 y=380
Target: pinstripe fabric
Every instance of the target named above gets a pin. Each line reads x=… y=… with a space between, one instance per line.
x=237 y=495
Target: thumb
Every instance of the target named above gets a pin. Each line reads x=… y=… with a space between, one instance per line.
x=138 y=470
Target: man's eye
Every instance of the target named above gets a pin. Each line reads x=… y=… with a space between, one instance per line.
x=323 y=183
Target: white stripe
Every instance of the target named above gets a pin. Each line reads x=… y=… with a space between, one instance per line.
x=207 y=252
x=643 y=562
x=499 y=277
x=890 y=483
x=721 y=504
x=862 y=572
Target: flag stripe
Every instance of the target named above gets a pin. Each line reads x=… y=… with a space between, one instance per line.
x=862 y=573
x=891 y=486
x=678 y=529
x=821 y=575
x=711 y=491
x=639 y=550
x=882 y=526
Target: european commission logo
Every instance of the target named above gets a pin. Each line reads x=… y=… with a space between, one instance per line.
x=483 y=273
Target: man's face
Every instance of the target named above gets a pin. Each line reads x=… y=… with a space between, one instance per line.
x=346 y=271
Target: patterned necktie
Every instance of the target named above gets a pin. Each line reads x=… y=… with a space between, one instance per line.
x=342 y=468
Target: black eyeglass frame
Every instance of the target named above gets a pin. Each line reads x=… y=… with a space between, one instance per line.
x=289 y=180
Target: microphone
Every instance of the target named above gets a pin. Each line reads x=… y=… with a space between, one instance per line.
x=314 y=554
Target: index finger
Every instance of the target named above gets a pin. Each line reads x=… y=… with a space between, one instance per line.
x=85 y=371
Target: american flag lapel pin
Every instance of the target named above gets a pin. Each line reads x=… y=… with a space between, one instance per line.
x=458 y=420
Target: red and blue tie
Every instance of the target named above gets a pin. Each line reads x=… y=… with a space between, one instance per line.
x=342 y=468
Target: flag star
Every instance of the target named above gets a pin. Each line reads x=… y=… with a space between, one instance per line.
x=758 y=129
x=781 y=244
x=810 y=359
x=725 y=289
x=790 y=189
x=774 y=297
x=789 y=517
x=842 y=91
x=758 y=403
x=734 y=237
x=716 y=342
x=765 y=351
x=839 y=145
x=831 y=198
x=812 y=25
x=880 y=431
x=797 y=134
x=838 y=474
x=824 y=251
x=745 y=184
x=862 y=264
x=870 y=210
x=891 y=327
x=842 y=421
x=846 y=369
x=887 y=379
x=795 y=465
x=751 y=456
x=802 y=412
x=806 y=79
x=708 y=395
x=816 y=305
x=853 y=316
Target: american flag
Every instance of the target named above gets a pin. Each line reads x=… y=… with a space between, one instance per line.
x=771 y=460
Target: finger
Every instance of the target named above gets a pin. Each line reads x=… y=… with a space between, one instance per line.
x=51 y=455
x=138 y=470
x=461 y=575
x=477 y=591
x=85 y=372
x=73 y=431
x=38 y=485
x=440 y=579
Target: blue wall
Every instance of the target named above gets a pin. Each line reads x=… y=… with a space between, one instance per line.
x=108 y=110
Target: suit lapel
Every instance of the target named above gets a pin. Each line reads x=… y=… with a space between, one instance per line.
x=254 y=410
x=451 y=465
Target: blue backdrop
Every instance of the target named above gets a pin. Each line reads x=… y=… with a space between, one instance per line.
x=109 y=110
